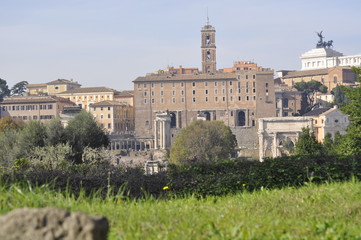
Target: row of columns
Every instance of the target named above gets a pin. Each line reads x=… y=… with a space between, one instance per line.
x=162 y=139
x=133 y=144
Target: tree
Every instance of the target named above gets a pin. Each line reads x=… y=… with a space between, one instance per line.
x=7 y=123
x=55 y=132
x=19 y=88
x=309 y=89
x=202 y=141
x=33 y=135
x=307 y=144
x=350 y=144
x=4 y=89
x=339 y=97
x=82 y=131
x=329 y=145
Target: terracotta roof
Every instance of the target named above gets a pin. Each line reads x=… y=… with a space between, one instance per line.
x=186 y=77
x=107 y=103
x=34 y=99
x=63 y=81
x=305 y=73
x=129 y=93
x=36 y=85
x=89 y=90
x=316 y=112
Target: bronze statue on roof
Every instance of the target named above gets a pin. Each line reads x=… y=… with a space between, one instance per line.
x=321 y=43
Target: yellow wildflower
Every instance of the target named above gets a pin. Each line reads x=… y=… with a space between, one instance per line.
x=165 y=188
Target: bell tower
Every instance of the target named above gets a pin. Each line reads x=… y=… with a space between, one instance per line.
x=208 y=47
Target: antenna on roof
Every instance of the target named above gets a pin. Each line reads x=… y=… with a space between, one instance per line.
x=207 y=23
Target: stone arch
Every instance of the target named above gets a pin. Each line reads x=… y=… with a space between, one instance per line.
x=173 y=120
x=207 y=115
x=241 y=118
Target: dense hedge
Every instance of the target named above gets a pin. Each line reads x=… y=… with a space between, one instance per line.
x=232 y=176
x=204 y=179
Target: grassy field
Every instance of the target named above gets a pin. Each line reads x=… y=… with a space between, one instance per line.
x=329 y=211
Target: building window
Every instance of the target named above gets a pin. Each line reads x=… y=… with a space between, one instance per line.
x=162 y=100
x=161 y=84
x=239 y=90
x=224 y=83
x=206 y=91
x=173 y=93
x=215 y=91
x=254 y=98
x=239 y=98
x=224 y=99
x=254 y=90
x=108 y=108
x=253 y=123
x=254 y=84
x=182 y=84
x=161 y=93
x=139 y=86
x=152 y=85
x=194 y=99
x=206 y=99
x=101 y=108
x=216 y=99
x=173 y=100
x=206 y=84
x=266 y=85
x=145 y=85
x=215 y=84
x=246 y=76
x=102 y=125
x=193 y=84
x=254 y=76
x=247 y=98
x=145 y=93
x=182 y=92
x=231 y=91
x=147 y=123
x=182 y=99
x=334 y=79
x=101 y=116
x=194 y=92
x=231 y=98
x=152 y=100
x=173 y=84
x=230 y=83
x=109 y=125
x=145 y=101
x=223 y=91
x=109 y=116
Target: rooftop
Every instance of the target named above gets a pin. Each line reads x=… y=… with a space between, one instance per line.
x=108 y=103
x=63 y=81
x=34 y=99
x=185 y=77
x=89 y=90
x=316 y=112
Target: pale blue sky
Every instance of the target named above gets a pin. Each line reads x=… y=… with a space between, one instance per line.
x=110 y=43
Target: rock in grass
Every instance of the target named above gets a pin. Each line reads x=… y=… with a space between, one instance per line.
x=51 y=224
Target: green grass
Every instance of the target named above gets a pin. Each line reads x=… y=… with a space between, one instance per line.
x=329 y=211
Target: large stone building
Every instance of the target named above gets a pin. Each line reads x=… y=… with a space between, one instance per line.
x=115 y=117
x=33 y=107
x=237 y=96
